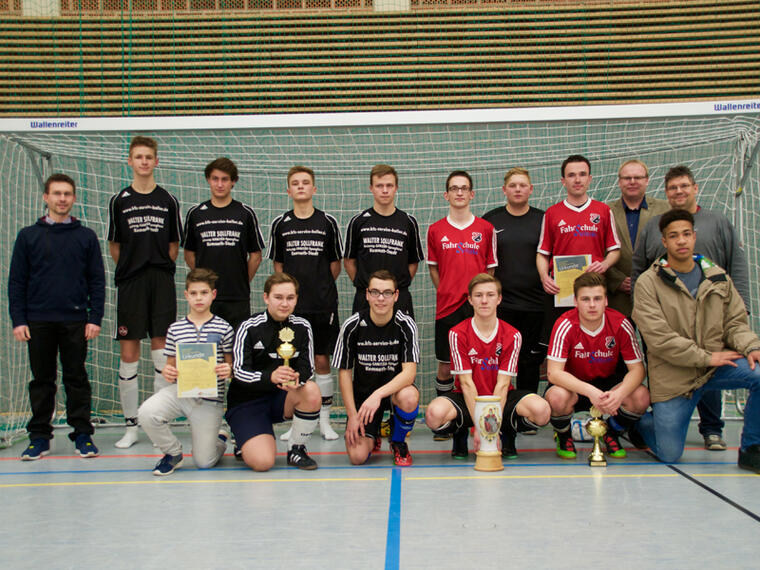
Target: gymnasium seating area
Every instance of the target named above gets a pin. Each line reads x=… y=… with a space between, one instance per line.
x=159 y=58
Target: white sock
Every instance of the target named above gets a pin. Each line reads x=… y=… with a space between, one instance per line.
x=159 y=362
x=303 y=424
x=129 y=390
x=326 y=387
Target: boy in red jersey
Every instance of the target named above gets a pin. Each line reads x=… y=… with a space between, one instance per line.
x=460 y=246
x=583 y=367
x=484 y=353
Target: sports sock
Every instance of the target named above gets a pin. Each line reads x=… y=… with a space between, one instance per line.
x=623 y=421
x=403 y=422
x=325 y=383
x=524 y=424
x=561 y=423
x=303 y=424
x=446 y=429
x=128 y=390
x=443 y=386
x=159 y=361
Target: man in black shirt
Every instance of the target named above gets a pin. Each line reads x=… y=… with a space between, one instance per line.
x=267 y=389
x=383 y=237
x=377 y=354
x=518 y=226
x=144 y=231
x=305 y=243
x=223 y=235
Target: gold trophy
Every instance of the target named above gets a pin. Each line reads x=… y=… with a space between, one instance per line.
x=596 y=427
x=286 y=350
x=488 y=424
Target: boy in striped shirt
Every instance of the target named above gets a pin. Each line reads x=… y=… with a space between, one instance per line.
x=204 y=414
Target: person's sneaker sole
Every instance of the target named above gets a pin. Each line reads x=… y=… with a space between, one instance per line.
x=715 y=444
x=35 y=457
x=177 y=466
x=619 y=454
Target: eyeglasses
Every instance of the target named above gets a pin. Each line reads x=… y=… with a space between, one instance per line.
x=375 y=293
x=674 y=187
x=458 y=189
x=632 y=178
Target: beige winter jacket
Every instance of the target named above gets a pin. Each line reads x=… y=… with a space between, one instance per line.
x=681 y=332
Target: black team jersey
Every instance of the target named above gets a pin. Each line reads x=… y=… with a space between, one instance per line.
x=255 y=356
x=383 y=242
x=143 y=225
x=375 y=353
x=222 y=239
x=306 y=248
x=516 y=243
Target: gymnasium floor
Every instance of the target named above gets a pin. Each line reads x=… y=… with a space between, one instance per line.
x=540 y=512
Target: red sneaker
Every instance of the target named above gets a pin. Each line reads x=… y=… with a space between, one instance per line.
x=401 y=455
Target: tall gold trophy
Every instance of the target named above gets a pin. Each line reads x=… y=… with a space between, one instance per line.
x=596 y=427
x=488 y=424
x=286 y=350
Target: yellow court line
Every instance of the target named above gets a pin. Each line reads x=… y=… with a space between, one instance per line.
x=586 y=476
x=188 y=481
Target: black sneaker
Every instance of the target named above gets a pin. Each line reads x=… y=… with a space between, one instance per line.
x=38 y=448
x=460 y=451
x=401 y=455
x=238 y=453
x=297 y=457
x=565 y=445
x=85 y=446
x=634 y=436
x=750 y=458
x=168 y=464
x=508 y=448
x=614 y=449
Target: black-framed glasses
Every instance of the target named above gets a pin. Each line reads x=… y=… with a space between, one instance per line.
x=376 y=293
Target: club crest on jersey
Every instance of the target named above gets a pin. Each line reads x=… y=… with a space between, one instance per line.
x=123 y=331
x=477 y=237
x=609 y=342
x=594 y=218
x=498 y=349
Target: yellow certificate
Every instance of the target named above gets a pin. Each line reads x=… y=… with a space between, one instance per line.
x=566 y=269
x=195 y=364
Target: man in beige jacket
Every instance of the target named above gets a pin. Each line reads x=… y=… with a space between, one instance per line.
x=695 y=324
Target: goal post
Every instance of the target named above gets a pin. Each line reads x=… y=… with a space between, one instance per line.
x=716 y=140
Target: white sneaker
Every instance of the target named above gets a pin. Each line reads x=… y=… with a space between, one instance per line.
x=325 y=428
x=131 y=437
x=286 y=435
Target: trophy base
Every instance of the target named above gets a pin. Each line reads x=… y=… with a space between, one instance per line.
x=596 y=461
x=488 y=461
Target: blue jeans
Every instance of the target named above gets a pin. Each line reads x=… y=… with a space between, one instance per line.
x=664 y=428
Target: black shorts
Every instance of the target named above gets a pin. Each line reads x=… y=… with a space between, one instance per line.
x=372 y=429
x=234 y=312
x=509 y=415
x=325 y=329
x=442 y=328
x=145 y=305
x=403 y=304
x=604 y=384
x=256 y=417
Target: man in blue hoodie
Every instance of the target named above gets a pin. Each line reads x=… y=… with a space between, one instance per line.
x=56 y=292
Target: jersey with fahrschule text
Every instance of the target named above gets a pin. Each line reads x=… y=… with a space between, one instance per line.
x=222 y=239
x=570 y=230
x=375 y=353
x=306 y=248
x=143 y=225
x=589 y=355
x=484 y=357
x=383 y=242
x=460 y=252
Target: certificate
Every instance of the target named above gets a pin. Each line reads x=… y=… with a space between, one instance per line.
x=566 y=269
x=195 y=364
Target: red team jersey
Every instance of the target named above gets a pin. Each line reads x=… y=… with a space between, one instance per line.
x=589 y=355
x=567 y=230
x=460 y=254
x=484 y=358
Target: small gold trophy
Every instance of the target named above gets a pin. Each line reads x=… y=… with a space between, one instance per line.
x=596 y=427
x=286 y=350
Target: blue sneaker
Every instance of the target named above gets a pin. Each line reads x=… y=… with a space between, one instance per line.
x=168 y=464
x=38 y=448
x=85 y=447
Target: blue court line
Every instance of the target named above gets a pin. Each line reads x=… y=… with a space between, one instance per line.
x=393 y=540
x=357 y=468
